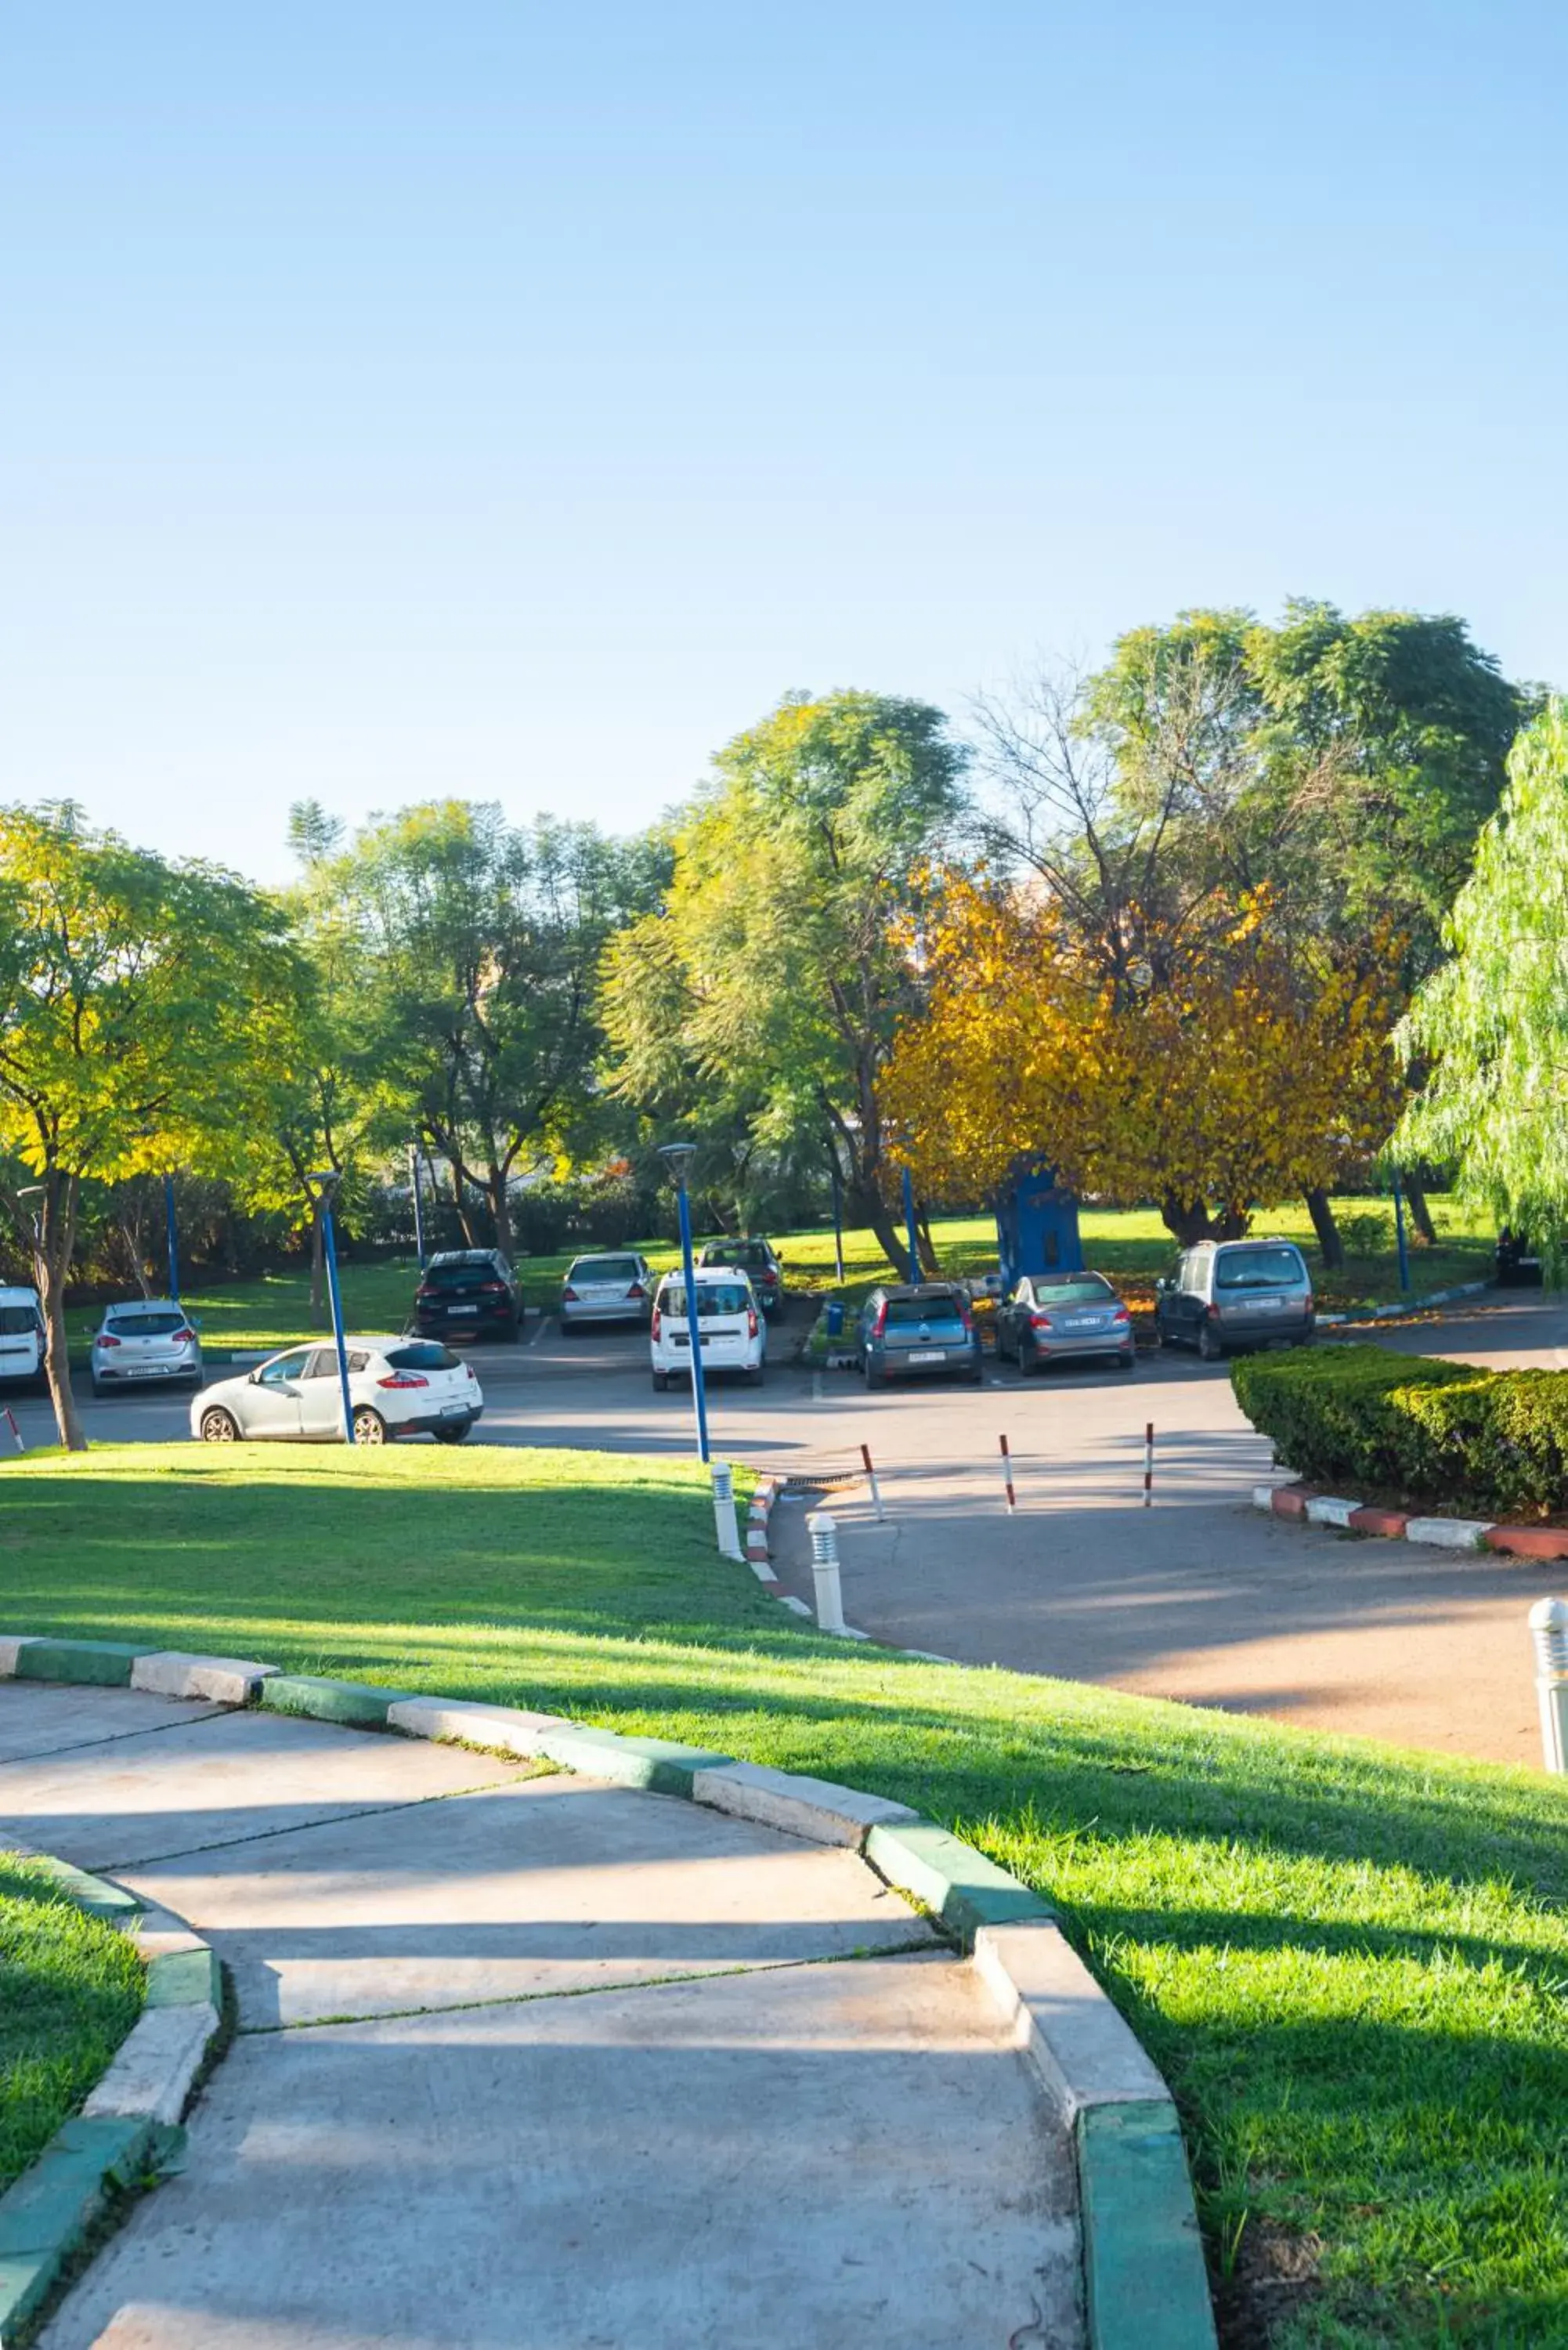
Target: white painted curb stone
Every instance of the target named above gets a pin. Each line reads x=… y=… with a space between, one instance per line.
x=800 y=1806
x=1330 y=1510
x=507 y=1729
x=223 y=1680
x=1449 y=1534
x=1083 y=2049
x=10 y=1646
x=157 y=2062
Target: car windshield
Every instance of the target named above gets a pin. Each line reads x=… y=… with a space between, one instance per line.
x=145 y=1326
x=423 y=1355
x=603 y=1268
x=922 y=1309
x=461 y=1277
x=746 y=1253
x=713 y=1298
x=14 y=1319
x=1260 y=1268
x=1084 y=1288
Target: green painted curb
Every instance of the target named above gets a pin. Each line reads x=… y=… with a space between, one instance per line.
x=48 y=2211
x=96 y=1895
x=356 y=1705
x=185 y=1978
x=656 y=1763
x=98 y=1664
x=1145 y=2284
x=957 y=1883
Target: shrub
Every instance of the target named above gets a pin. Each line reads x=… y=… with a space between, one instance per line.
x=1495 y=1443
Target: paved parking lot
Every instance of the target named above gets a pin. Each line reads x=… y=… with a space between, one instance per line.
x=1200 y=1598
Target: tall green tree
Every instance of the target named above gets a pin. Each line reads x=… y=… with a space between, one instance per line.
x=132 y=994
x=478 y=946
x=1491 y=1023
x=770 y=980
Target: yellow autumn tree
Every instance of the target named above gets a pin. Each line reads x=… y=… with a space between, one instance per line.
x=1232 y=1067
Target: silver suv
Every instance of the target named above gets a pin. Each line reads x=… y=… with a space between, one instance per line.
x=1226 y=1293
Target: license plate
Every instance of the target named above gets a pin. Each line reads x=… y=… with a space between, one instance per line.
x=452 y=1410
x=1262 y=1305
x=928 y=1355
x=148 y=1370
x=462 y=1309
x=1084 y=1322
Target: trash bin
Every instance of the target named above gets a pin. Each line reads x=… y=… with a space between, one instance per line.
x=835 y=1317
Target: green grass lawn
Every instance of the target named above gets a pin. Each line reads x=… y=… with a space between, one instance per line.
x=70 y=1989
x=1131 y=1245
x=1351 y=1963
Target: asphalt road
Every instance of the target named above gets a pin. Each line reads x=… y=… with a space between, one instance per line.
x=1200 y=1598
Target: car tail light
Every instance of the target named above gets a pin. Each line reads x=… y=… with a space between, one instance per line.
x=407 y=1380
x=880 y=1322
x=636 y=1290
x=1121 y=1314
x=471 y=1380
x=492 y=1289
x=569 y=1295
x=1212 y=1312
x=1309 y=1301
x=966 y=1315
x=657 y=1323
x=105 y=1341
x=1041 y=1322
x=751 y=1321
x=185 y=1337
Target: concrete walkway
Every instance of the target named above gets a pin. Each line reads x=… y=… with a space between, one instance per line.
x=426 y=2136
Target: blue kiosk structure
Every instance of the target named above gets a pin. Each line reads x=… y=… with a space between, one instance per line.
x=1037 y=1226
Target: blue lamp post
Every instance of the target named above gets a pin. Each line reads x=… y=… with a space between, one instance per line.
x=677 y=1158
x=324 y=1184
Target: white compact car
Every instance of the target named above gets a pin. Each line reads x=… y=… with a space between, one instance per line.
x=147 y=1343
x=21 y=1334
x=397 y=1387
x=732 y=1332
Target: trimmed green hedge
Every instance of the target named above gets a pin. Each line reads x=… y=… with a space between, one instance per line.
x=1494 y=1443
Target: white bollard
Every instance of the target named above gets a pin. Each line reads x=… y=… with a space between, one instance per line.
x=1549 y=1630
x=724 y=1511
x=823 y=1528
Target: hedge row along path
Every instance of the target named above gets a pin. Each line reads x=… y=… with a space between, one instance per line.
x=508 y=2041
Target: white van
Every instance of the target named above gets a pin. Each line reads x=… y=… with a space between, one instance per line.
x=730 y=1330
x=21 y=1336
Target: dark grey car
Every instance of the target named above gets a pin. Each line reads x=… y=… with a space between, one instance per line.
x=1227 y=1294
x=918 y=1332
x=1056 y=1315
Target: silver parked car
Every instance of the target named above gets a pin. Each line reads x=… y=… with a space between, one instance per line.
x=617 y=1286
x=1226 y=1293
x=1051 y=1316
x=147 y=1343
x=397 y=1387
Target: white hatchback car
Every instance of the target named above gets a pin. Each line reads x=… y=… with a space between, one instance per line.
x=397 y=1387
x=732 y=1332
x=147 y=1344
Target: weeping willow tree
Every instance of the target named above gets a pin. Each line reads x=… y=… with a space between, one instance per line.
x=1492 y=1021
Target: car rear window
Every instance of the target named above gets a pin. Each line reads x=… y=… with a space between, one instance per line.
x=145 y=1326
x=713 y=1298
x=1072 y=1293
x=735 y=1252
x=603 y=1268
x=459 y=1276
x=922 y=1309
x=423 y=1355
x=1260 y=1268
x=14 y=1319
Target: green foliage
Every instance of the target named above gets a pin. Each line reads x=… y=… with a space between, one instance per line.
x=70 y=1989
x=1347 y=1962
x=1494 y=1019
x=1494 y=1443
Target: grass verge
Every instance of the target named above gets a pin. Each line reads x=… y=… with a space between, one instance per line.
x=1131 y=1245
x=70 y=1989
x=1351 y=1963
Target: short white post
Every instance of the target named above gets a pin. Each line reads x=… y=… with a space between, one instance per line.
x=871 y=1480
x=1549 y=1629
x=724 y=1511
x=1007 y=1476
x=823 y=1528
x=1148 y=1464
x=16 y=1431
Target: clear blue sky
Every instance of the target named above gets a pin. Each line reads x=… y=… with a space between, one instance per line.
x=513 y=401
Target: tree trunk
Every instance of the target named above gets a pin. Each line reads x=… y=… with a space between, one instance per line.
x=500 y=1210
x=866 y=1206
x=1319 y=1208
x=53 y=1259
x=926 y=1244
x=134 y=1258
x=318 y=1315
x=1187 y=1220
x=460 y=1204
x=1420 y=1213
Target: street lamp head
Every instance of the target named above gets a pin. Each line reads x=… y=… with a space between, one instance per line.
x=677 y=1158
x=325 y=1176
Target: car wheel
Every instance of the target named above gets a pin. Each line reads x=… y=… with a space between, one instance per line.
x=513 y=1330
x=97 y=1392
x=1028 y=1358
x=568 y=1327
x=218 y=1427
x=370 y=1428
x=660 y=1382
x=754 y=1375
x=450 y=1435
x=1128 y=1362
x=975 y=1378
x=1209 y=1347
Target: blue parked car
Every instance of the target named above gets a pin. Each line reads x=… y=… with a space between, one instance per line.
x=924 y=1330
